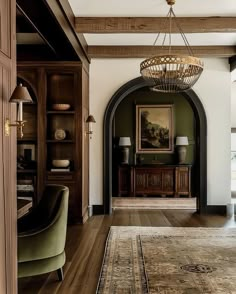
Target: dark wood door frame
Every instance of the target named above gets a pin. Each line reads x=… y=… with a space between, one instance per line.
x=8 y=212
x=201 y=142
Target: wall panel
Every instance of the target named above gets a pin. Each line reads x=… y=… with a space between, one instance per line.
x=8 y=215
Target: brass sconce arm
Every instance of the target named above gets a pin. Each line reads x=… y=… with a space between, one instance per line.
x=19 y=124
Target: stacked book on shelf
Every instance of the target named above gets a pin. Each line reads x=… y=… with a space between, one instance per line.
x=25 y=189
x=58 y=169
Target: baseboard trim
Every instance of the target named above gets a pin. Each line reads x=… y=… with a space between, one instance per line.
x=98 y=209
x=215 y=209
x=209 y=209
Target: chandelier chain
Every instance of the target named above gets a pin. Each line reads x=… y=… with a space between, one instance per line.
x=170 y=28
x=182 y=35
x=163 y=26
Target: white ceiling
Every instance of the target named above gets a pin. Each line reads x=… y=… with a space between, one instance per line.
x=152 y=8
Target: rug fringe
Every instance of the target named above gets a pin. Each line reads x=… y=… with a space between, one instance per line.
x=104 y=257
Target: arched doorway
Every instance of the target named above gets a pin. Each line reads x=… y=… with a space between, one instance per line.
x=201 y=142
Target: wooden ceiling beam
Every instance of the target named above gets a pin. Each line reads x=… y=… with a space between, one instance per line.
x=49 y=19
x=148 y=51
x=113 y=25
x=63 y=14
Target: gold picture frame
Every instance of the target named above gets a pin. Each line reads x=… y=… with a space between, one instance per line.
x=154 y=129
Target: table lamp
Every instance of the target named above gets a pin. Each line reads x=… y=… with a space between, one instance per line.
x=182 y=142
x=124 y=143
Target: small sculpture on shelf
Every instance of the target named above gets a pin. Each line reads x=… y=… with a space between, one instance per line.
x=60 y=134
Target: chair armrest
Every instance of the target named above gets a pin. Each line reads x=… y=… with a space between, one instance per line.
x=45 y=242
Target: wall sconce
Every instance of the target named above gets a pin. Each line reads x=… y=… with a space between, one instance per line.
x=20 y=95
x=90 y=120
x=182 y=142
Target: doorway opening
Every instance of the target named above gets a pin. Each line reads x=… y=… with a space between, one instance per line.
x=110 y=141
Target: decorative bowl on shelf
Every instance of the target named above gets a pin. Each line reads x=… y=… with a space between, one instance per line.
x=60 y=106
x=60 y=162
x=60 y=134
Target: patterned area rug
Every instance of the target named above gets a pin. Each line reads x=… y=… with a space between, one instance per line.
x=169 y=260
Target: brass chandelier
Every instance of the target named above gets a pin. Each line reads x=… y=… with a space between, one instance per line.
x=171 y=73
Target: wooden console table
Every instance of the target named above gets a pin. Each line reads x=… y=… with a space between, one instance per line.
x=163 y=180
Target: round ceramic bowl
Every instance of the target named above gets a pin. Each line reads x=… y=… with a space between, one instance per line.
x=60 y=106
x=60 y=162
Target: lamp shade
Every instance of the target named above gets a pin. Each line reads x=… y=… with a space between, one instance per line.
x=181 y=141
x=90 y=119
x=20 y=94
x=124 y=141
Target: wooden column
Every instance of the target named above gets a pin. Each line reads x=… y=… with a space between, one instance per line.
x=8 y=214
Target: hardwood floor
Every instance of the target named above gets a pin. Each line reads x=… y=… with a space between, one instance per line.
x=85 y=247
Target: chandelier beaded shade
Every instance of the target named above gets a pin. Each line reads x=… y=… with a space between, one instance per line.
x=172 y=73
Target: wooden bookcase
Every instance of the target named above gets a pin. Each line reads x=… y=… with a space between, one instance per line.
x=61 y=83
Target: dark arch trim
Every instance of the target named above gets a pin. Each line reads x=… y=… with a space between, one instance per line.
x=201 y=142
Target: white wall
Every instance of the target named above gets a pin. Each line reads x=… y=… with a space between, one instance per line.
x=233 y=104
x=214 y=90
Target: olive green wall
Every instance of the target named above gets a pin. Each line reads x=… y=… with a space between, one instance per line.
x=184 y=123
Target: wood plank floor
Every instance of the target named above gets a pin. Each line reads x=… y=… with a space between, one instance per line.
x=85 y=247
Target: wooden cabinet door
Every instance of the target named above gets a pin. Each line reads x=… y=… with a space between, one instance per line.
x=154 y=180
x=183 y=181
x=168 y=180
x=140 y=181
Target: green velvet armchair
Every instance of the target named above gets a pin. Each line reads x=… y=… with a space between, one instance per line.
x=42 y=234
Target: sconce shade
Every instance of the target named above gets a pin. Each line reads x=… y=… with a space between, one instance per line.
x=90 y=119
x=124 y=141
x=20 y=94
x=181 y=141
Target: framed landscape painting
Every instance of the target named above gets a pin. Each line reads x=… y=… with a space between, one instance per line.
x=154 y=129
